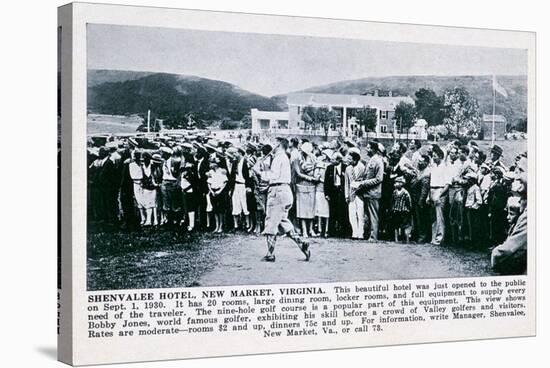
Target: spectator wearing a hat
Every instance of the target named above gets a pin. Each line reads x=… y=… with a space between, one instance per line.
x=472 y=206
x=420 y=190
x=127 y=204
x=217 y=193
x=294 y=155
x=107 y=181
x=510 y=257
x=149 y=188
x=136 y=174
x=239 y=185
x=322 y=210
x=484 y=182
x=250 y=159
x=439 y=185
x=261 y=186
x=334 y=191
x=401 y=210
x=94 y=191
x=385 y=228
x=304 y=169
x=189 y=190
x=371 y=188
x=156 y=164
x=496 y=206
x=202 y=167
x=170 y=190
x=350 y=143
x=459 y=165
x=354 y=176
x=496 y=156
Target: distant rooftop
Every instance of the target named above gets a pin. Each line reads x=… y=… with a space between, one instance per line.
x=498 y=118
x=270 y=114
x=382 y=102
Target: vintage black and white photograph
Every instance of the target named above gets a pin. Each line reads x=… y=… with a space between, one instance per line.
x=223 y=158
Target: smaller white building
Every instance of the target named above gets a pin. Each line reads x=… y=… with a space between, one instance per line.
x=272 y=121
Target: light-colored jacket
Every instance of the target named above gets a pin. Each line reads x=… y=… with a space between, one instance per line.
x=372 y=184
x=353 y=176
x=511 y=256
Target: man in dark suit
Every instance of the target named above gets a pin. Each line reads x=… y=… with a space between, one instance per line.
x=202 y=167
x=334 y=192
x=420 y=189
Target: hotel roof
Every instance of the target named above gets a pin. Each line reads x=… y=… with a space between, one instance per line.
x=498 y=118
x=354 y=101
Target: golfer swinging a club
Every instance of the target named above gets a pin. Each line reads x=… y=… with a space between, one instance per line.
x=279 y=201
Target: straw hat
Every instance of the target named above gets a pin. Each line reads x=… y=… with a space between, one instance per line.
x=156 y=158
x=166 y=150
x=307 y=148
x=328 y=153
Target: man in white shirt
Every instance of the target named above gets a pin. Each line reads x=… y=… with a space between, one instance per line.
x=279 y=202
x=439 y=185
x=355 y=174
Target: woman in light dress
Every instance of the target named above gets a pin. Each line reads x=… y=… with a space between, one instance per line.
x=321 y=203
x=188 y=189
x=136 y=173
x=217 y=193
x=305 y=188
x=149 y=187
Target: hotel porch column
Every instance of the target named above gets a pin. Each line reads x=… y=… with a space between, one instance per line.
x=345 y=121
x=377 y=128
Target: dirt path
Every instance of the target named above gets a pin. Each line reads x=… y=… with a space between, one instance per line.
x=337 y=260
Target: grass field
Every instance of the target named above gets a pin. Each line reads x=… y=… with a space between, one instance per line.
x=111 y=124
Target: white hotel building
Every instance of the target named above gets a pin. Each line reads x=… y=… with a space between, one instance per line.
x=290 y=122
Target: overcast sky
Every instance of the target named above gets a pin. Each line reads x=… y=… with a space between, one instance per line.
x=273 y=64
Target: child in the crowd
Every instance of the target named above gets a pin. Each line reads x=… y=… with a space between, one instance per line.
x=401 y=210
x=513 y=210
x=473 y=203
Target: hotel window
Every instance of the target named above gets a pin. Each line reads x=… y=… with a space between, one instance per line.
x=264 y=123
x=282 y=124
x=383 y=114
x=383 y=128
